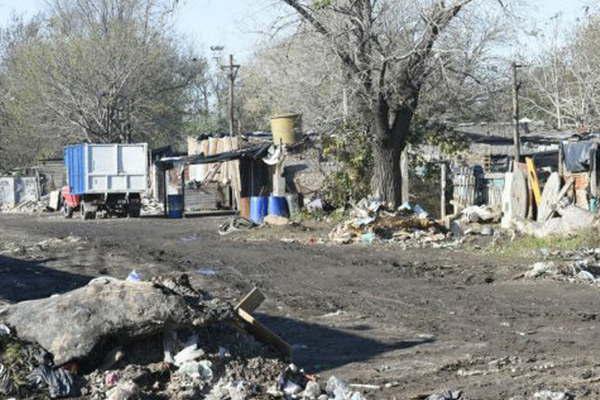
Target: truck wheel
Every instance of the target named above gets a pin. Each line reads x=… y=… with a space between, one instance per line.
x=67 y=211
x=86 y=214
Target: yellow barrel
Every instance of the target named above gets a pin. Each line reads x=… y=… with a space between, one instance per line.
x=286 y=128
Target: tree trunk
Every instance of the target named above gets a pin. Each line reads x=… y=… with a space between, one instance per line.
x=388 y=144
x=386 y=183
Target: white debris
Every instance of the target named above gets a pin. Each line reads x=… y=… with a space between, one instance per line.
x=542 y=268
x=549 y=395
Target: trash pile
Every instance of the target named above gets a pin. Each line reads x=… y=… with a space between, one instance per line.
x=121 y=340
x=476 y=220
x=25 y=207
x=574 y=266
x=150 y=206
x=370 y=221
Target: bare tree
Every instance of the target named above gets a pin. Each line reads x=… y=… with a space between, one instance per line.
x=389 y=50
x=104 y=71
x=563 y=78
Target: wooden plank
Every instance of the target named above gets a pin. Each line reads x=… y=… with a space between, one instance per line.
x=263 y=334
x=404 y=174
x=561 y=194
x=443 y=190
x=518 y=196
x=251 y=301
x=534 y=181
x=549 y=197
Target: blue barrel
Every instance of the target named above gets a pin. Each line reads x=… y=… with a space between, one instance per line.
x=175 y=206
x=258 y=209
x=278 y=206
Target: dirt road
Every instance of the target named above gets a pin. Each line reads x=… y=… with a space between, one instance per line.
x=418 y=320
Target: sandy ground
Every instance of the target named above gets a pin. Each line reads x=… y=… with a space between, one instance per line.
x=412 y=321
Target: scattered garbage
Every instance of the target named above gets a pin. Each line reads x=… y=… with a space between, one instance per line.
x=449 y=395
x=134 y=276
x=542 y=268
x=150 y=206
x=206 y=272
x=38 y=249
x=57 y=381
x=26 y=207
x=371 y=222
x=235 y=224
x=190 y=238
x=340 y=390
x=27 y=368
x=550 y=395
x=476 y=220
x=485 y=213
x=314 y=205
x=582 y=265
x=276 y=220
x=123 y=391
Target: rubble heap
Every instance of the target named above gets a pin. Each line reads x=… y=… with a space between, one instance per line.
x=121 y=340
x=25 y=207
x=370 y=221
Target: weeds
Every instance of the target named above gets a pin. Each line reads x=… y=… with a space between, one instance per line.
x=528 y=246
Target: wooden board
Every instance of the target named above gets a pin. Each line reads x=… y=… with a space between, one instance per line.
x=263 y=334
x=549 y=197
x=533 y=181
x=518 y=194
x=251 y=301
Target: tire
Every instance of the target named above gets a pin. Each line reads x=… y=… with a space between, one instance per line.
x=87 y=215
x=67 y=211
x=134 y=213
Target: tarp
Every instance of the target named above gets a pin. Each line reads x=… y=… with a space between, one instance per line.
x=577 y=155
x=255 y=152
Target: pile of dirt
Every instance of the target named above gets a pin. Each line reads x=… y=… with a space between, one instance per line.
x=120 y=340
x=371 y=222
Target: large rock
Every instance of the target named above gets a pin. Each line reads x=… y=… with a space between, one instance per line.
x=75 y=325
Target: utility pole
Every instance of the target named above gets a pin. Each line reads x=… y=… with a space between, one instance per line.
x=517 y=136
x=232 y=70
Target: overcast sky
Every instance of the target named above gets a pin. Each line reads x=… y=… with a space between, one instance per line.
x=235 y=24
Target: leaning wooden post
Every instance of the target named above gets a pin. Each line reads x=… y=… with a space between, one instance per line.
x=443 y=173
x=405 y=183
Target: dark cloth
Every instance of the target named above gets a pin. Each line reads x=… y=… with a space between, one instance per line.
x=577 y=155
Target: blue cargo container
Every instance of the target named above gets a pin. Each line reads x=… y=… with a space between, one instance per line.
x=75 y=164
x=106 y=177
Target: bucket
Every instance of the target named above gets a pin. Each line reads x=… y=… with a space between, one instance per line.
x=245 y=207
x=278 y=206
x=286 y=128
x=292 y=204
x=175 y=206
x=258 y=208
